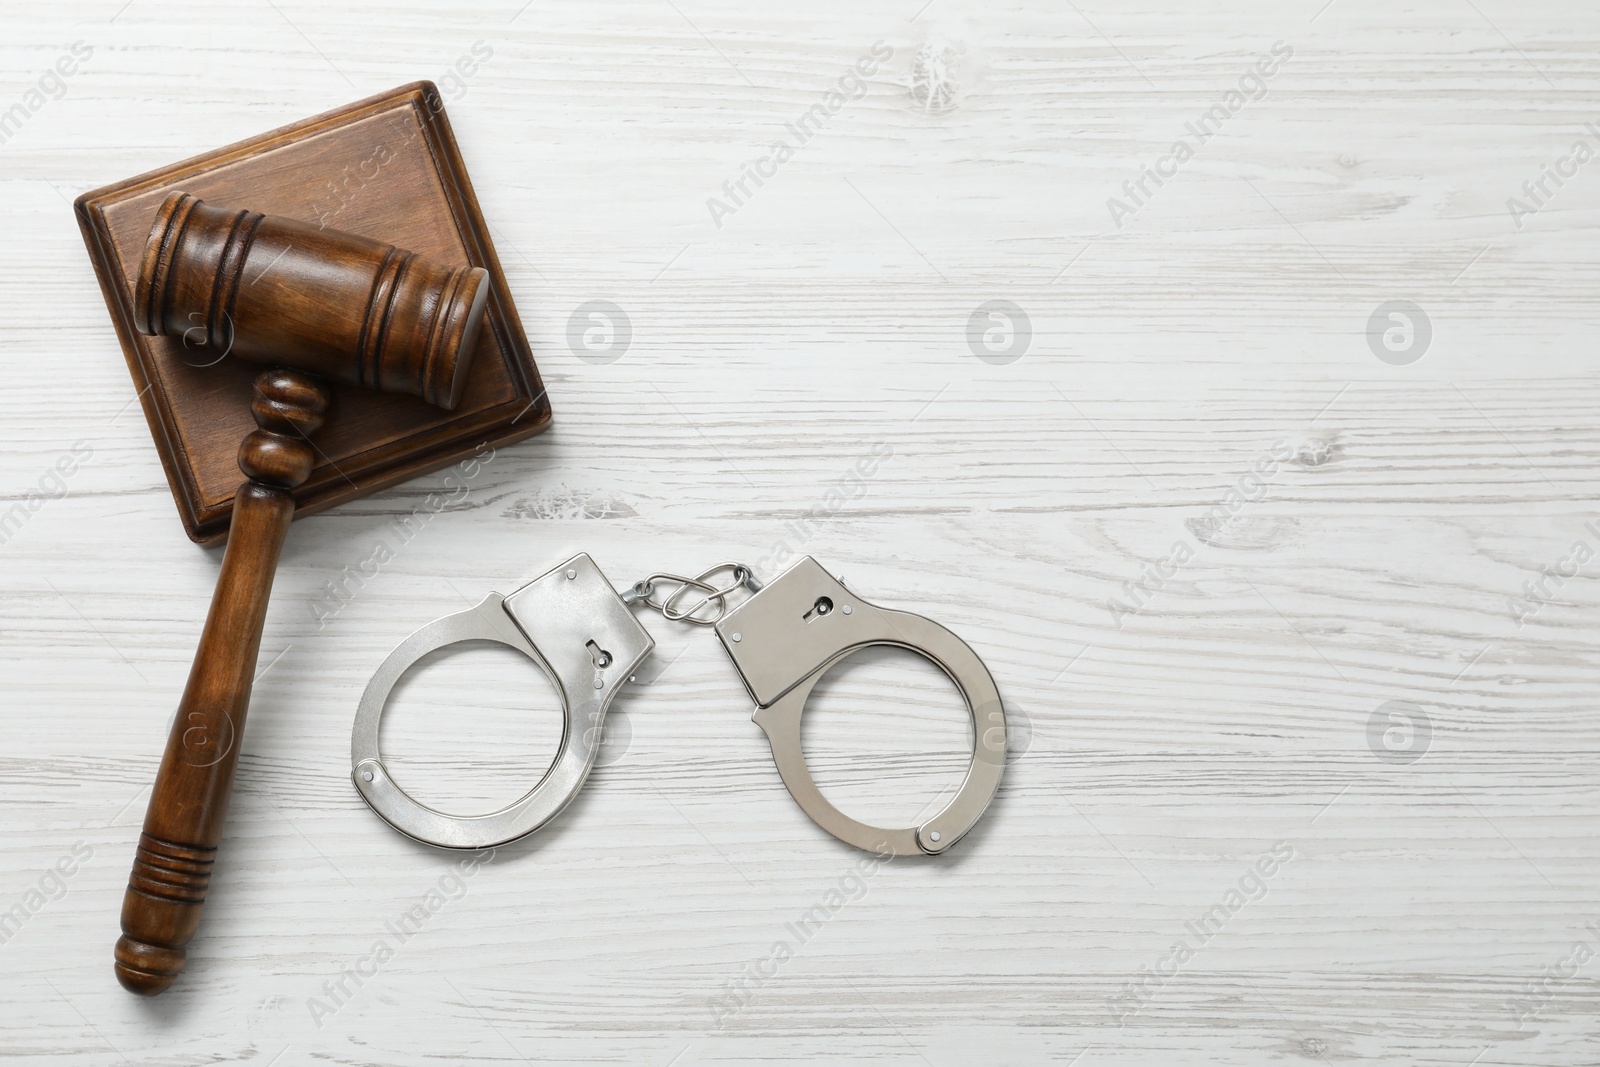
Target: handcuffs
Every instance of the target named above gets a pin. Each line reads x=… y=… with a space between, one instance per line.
x=782 y=640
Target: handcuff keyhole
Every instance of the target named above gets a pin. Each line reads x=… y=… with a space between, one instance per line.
x=600 y=657
x=822 y=607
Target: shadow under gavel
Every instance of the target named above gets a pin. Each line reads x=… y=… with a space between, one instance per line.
x=313 y=304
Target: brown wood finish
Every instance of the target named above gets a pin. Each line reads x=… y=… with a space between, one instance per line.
x=189 y=804
x=252 y=254
x=386 y=168
x=267 y=289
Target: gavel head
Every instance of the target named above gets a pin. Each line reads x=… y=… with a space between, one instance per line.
x=273 y=290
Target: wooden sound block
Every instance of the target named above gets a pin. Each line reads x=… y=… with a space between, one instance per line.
x=387 y=168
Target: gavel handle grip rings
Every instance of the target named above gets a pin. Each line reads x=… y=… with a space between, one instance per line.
x=189 y=804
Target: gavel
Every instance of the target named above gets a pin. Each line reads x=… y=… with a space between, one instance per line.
x=315 y=305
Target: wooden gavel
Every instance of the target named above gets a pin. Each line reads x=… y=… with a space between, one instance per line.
x=344 y=308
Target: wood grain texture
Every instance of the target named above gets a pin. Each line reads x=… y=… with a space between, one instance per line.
x=385 y=165
x=188 y=806
x=332 y=293
x=827 y=315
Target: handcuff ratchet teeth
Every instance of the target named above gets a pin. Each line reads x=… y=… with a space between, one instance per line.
x=782 y=640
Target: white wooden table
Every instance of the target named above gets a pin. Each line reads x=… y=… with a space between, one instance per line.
x=1245 y=585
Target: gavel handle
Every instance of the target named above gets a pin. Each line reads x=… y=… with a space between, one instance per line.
x=189 y=804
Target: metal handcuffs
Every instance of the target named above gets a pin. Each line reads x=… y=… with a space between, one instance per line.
x=782 y=640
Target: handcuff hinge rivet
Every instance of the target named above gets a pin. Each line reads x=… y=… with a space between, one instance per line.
x=737 y=638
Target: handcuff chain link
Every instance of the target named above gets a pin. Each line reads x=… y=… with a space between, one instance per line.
x=645 y=592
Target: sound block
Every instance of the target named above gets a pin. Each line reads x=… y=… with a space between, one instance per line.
x=387 y=168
